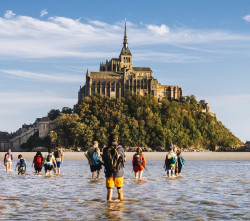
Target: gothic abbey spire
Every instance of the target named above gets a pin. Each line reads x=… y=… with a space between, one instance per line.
x=125 y=49
x=125 y=40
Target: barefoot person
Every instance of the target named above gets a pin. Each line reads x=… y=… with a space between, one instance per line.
x=139 y=163
x=58 y=153
x=180 y=162
x=38 y=162
x=21 y=165
x=170 y=162
x=94 y=157
x=49 y=162
x=114 y=158
x=8 y=157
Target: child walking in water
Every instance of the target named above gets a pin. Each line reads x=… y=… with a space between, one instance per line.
x=21 y=165
x=139 y=163
x=170 y=162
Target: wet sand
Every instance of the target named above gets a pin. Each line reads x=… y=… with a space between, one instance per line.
x=238 y=156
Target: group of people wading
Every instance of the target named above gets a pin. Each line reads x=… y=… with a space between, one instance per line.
x=113 y=158
x=51 y=161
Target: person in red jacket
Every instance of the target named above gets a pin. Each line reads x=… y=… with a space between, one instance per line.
x=138 y=162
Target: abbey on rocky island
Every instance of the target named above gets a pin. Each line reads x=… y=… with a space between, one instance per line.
x=118 y=76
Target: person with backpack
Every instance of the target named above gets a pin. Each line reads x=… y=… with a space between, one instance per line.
x=21 y=165
x=180 y=162
x=58 y=154
x=114 y=158
x=49 y=162
x=170 y=162
x=38 y=162
x=8 y=157
x=94 y=158
x=138 y=162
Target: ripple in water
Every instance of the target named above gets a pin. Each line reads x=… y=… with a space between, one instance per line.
x=217 y=190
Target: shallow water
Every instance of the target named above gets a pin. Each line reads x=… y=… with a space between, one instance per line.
x=207 y=190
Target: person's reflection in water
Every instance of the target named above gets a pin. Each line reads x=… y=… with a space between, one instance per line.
x=113 y=210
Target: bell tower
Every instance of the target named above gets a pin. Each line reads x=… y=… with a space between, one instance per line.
x=125 y=56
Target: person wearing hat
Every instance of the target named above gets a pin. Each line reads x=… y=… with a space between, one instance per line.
x=94 y=157
x=170 y=162
x=138 y=162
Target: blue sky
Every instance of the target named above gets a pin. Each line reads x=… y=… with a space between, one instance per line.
x=47 y=46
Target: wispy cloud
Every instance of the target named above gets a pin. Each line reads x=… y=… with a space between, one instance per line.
x=40 y=99
x=41 y=76
x=43 y=13
x=27 y=37
x=247 y=18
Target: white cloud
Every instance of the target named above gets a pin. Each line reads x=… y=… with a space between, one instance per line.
x=27 y=37
x=9 y=14
x=247 y=18
x=161 y=30
x=43 y=13
x=21 y=100
x=42 y=76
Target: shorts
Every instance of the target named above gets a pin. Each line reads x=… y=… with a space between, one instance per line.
x=38 y=169
x=21 y=170
x=138 y=168
x=94 y=168
x=114 y=181
x=48 y=166
x=58 y=164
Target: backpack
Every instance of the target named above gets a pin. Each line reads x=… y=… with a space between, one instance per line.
x=138 y=161
x=39 y=159
x=170 y=161
x=49 y=158
x=95 y=158
x=22 y=163
x=112 y=159
x=181 y=160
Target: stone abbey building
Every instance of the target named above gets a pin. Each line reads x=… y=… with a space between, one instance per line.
x=118 y=75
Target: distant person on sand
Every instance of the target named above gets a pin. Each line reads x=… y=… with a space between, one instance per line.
x=49 y=162
x=38 y=162
x=180 y=162
x=58 y=153
x=8 y=157
x=114 y=158
x=170 y=162
x=139 y=163
x=21 y=165
x=94 y=157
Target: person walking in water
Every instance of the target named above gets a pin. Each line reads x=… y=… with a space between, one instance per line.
x=139 y=163
x=180 y=162
x=114 y=158
x=94 y=158
x=8 y=157
x=49 y=162
x=38 y=162
x=170 y=162
x=58 y=154
x=21 y=165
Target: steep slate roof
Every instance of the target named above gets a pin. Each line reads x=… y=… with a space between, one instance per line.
x=141 y=69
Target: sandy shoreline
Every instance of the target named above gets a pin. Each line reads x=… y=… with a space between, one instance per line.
x=238 y=156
